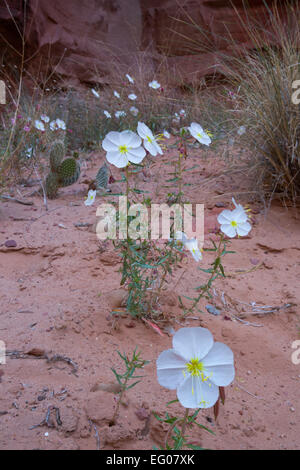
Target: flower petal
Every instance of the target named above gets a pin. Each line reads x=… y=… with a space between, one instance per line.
x=134 y=141
x=243 y=229
x=136 y=155
x=113 y=137
x=225 y=217
x=192 y=342
x=218 y=365
x=150 y=147
x=194 y=393
x=144 y=131
x=117 y=159
x=229 y=230
x=170 y=367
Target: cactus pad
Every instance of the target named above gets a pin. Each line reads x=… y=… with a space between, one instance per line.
x=68 y=172
x=57 y=154
x=52 y=185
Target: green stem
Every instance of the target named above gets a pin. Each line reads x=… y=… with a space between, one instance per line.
x=186 y=415
x=208 y=284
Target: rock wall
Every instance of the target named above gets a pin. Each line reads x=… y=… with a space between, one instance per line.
x=89 y=40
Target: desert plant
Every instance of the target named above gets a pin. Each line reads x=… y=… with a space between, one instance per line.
x=62 y=172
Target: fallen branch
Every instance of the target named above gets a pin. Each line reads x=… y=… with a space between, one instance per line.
x=47 y=421
x=39 y=354
x=96 y=434
x=19 y=201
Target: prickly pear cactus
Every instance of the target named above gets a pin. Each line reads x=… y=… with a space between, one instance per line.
x=102 y=177
x=52 y=185
x=68 y=172
x=57 y=153
x=63 y=172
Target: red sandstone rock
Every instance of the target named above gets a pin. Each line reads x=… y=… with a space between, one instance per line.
x=89 y=39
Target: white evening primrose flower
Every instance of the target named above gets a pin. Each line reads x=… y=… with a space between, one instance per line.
x=39 y=125
x=107 y=114
x=190 y=244
x=117 y=95
x=199 y=134
x=29 y=152
x=241 y=130
x=149 y=141
x=132 y=96
x=129 y=78
x=58 y=124
x=196 y=367
x=123 y=148
x=134 y=111
x=91 y=198
x=45 y=118
x=154 y=84
x=61 y=124
x=166 y=134
x=95 y=93
x=119 y=114
x=234 y=222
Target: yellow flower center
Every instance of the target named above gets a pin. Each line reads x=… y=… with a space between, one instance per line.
x=123 y=149
x=196 y=368
x=149 y=139
x=234 y=223
x=200 y=135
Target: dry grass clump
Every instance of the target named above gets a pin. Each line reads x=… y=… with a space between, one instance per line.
x=263 y=79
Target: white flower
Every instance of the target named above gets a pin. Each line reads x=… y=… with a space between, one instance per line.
x=61 y=124
x=176 y=119
x=58 y=124
x=129 y=78
x=196 y=367
x=107 y=114
x=132 y=97
x=29 y=152
x=117 y=95
x=234 y=222
x=95 y=93
x=182 y=113
x=199 y=134
x=149 y=141
x=189 y=244
x=166 y=134
x=91 y=198
x=241 y=130
x=134 y=111
x=154 y=84
x=39 y=125
x=45 y=118
x=123 y=147
x=119 y=114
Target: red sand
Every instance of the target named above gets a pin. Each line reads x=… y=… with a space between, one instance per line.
x=57 y=292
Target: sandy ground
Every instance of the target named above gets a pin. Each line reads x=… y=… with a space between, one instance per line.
x=59 y=284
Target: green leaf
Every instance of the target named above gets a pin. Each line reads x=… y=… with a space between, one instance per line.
x=173 y=401
x=191 y=446
x=172 y=180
